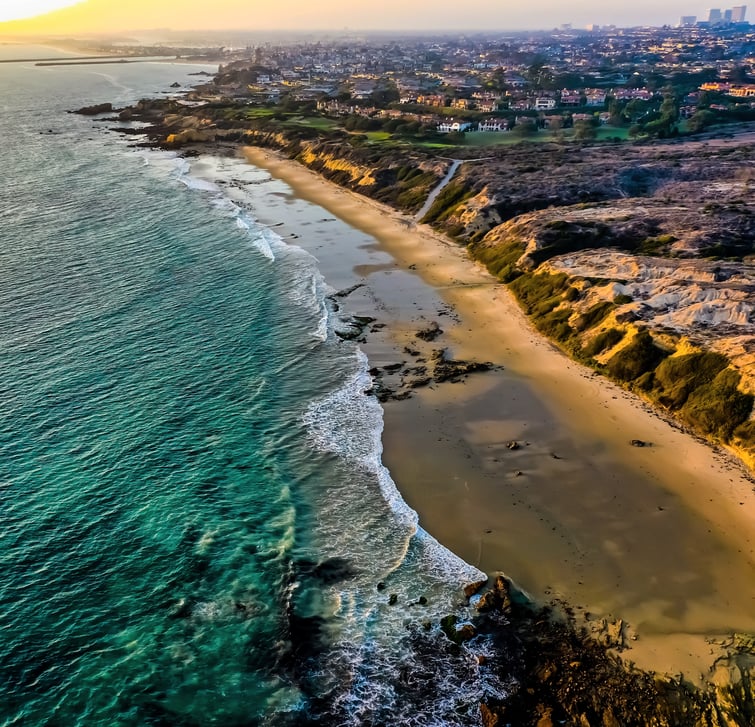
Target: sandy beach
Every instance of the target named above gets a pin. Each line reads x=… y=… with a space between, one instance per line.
x=661 y=536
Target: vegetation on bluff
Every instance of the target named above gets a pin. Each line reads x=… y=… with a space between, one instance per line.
x=700 y=388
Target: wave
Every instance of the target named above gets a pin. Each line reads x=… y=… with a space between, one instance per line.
x=364 y=526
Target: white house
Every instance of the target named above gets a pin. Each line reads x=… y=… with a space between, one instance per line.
x=542 y=103
x=494 y=125
x=449 y=125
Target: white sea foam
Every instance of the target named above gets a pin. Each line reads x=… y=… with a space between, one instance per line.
x=349 y=423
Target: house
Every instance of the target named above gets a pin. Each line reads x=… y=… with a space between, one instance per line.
x=543 y=103
x=431 y=100
x=449 y=125
x=746 y=90
x=487 y=106
x=623 y=94
x=494 y=125
x=596 y=98
x=571 y=98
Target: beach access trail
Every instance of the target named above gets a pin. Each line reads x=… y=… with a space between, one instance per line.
x=661 y=536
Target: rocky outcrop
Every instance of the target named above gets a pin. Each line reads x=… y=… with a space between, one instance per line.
x=562 y=672
x=102 y=108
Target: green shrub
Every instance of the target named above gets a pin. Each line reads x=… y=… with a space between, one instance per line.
x=622 y=298
x=603 y=341
x=639 y=357
x=554 y=325
x=678 y=376
x=745 y=433
x=571 y=294
x=645 y=382
x=450 y=197
x=594 y=315
x=718 y=408
x=500 y=260
x=655 y=245
x=544 y=307
x=533 y=289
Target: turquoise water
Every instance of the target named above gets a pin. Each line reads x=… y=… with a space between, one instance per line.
x=193 y=513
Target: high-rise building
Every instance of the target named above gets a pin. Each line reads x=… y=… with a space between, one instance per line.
x=714 y=15
x=687 y=21
x=738 y=13
x=727 y=16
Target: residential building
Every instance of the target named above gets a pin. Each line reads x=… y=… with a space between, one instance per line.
x=494 y=125
x=449 y=125
x=544 y=104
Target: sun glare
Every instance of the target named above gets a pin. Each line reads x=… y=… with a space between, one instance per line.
x=18 y=9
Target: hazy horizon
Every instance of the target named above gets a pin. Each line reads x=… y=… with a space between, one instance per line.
x=118 y=16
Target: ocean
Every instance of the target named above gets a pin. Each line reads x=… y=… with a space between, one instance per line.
x=195 y=524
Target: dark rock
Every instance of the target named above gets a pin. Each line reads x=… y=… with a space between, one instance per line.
x=639 y=443
x=334 y=570
x=513 y=445
x=364 y=320
x=348 y=291
x=488 y=717
x=175 y=84
x=455 y=633
x=430 y=333
x=471 y=588
x=498 y=598
x=393 y=599
x=445 y=369
x=418 y=383
x=465 y=633
x=381 y=586
x=102 y=108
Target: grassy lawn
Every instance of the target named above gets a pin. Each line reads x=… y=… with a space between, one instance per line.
x=377 y=136
x=313 y=122
x=506 y=138
x=611 y=132
x=258 y=112
x=494 y=138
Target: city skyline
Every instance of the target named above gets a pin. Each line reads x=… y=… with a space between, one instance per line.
x=115 y=15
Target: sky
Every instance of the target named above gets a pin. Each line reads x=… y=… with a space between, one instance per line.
x=124 y=15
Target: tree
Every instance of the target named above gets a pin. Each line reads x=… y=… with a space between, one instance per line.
x=585 y=131
x=385 y=94
x=635 y=108
x=635 y=130
x=525 y=127
x=700 y=121
x=615 y=111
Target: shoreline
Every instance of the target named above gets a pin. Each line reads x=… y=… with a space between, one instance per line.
x=570 y=425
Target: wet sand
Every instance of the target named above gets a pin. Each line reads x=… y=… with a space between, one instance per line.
x=661 y=536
